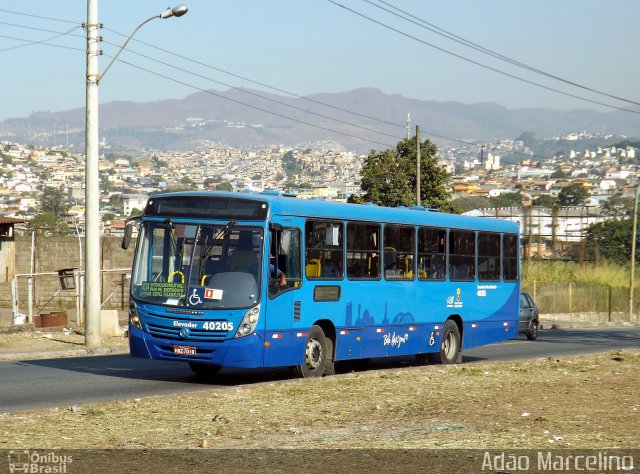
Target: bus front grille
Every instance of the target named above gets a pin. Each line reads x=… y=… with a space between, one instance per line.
x=196 y=335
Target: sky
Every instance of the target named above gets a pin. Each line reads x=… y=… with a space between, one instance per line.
x=312 y=46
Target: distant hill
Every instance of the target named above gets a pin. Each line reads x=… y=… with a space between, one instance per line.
x=243 y=117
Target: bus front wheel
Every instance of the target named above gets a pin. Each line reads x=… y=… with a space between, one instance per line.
x=449 y=344
x=317 y=358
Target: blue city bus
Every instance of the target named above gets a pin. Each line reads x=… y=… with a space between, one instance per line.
x=264 y=280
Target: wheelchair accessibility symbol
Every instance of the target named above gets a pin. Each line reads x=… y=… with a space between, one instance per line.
x=194 y=298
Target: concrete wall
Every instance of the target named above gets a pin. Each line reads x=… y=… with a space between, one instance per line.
x=55 y=253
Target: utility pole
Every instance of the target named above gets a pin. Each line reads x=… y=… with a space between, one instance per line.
x=418 y=165
x=93 y=301
x=93 y=325
x=632 y=315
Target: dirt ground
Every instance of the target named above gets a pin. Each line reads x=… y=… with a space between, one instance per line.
x=28 y=345
x=577 y=403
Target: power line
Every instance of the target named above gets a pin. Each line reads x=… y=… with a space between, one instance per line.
x=459 y=39
x=253 y=81
x=273 y=88
x=39 y=16
x=43 y=42
x=253 y=106
x=244 y=91
x=30 y=43
x=477 y=63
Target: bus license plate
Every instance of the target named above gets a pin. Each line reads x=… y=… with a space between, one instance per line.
x=184 y=350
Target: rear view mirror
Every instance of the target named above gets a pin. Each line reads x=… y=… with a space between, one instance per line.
x=128 y=231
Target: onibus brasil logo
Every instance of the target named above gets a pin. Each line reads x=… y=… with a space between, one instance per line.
x=40 y=462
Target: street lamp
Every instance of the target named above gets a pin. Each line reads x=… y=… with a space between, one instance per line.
x=93 y=326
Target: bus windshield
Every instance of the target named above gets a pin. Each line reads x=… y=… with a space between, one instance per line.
x=197 y=265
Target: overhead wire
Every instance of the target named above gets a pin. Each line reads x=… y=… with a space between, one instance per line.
x=30 y=43
x=459 y=39
x=40 y=16
x=262 y=84
x=255 y=94
x=178 y=81
x=45 y=42
x=477 y=63
x=276 y=89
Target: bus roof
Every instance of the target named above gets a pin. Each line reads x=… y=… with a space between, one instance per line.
x=282 y=204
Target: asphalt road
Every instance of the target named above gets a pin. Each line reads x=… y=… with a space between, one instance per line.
x=64 y=382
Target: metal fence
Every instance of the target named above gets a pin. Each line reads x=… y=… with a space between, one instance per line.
x=601 y=302
x=37 y=293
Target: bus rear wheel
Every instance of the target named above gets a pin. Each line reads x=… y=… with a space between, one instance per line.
x=449 y=344
x=204 y=370
x=318 y=359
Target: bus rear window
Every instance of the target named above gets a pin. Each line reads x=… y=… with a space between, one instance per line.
x=510 y=257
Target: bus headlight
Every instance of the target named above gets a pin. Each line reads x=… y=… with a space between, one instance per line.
x=249 y=322
x=133 y=315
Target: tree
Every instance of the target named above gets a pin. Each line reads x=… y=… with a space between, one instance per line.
x=210 y=182
x=54 y=201
x=559 y=174
x=389 y=176
x=573 y=195
x=611 y=239
x=469 y=203
x=224 y=186
x=115 y=201
x=507 y=200
x=618 y=206
x=546 y=200
x=290 y=165
x=109 y=216
x=47 y=223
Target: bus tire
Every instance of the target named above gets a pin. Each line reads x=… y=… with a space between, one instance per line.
x=204 y=370
x=317 y=359
x=449 y=345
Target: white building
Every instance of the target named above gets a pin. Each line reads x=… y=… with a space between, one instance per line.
x=133 y=201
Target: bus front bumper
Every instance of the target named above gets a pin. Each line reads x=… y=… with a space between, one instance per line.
x=245 y=352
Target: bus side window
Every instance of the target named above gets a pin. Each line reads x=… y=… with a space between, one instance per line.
x=431 y=253
x=284 y=256
x=398 y=252
x=462 y=255
x=324 y=249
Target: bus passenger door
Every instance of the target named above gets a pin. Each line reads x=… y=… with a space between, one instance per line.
x=282 y=342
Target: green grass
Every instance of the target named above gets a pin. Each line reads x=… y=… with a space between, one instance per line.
x=604 y=273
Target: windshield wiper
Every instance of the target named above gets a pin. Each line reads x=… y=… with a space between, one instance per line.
x=224 y=232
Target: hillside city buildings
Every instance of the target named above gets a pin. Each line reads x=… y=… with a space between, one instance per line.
x=604 y=171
